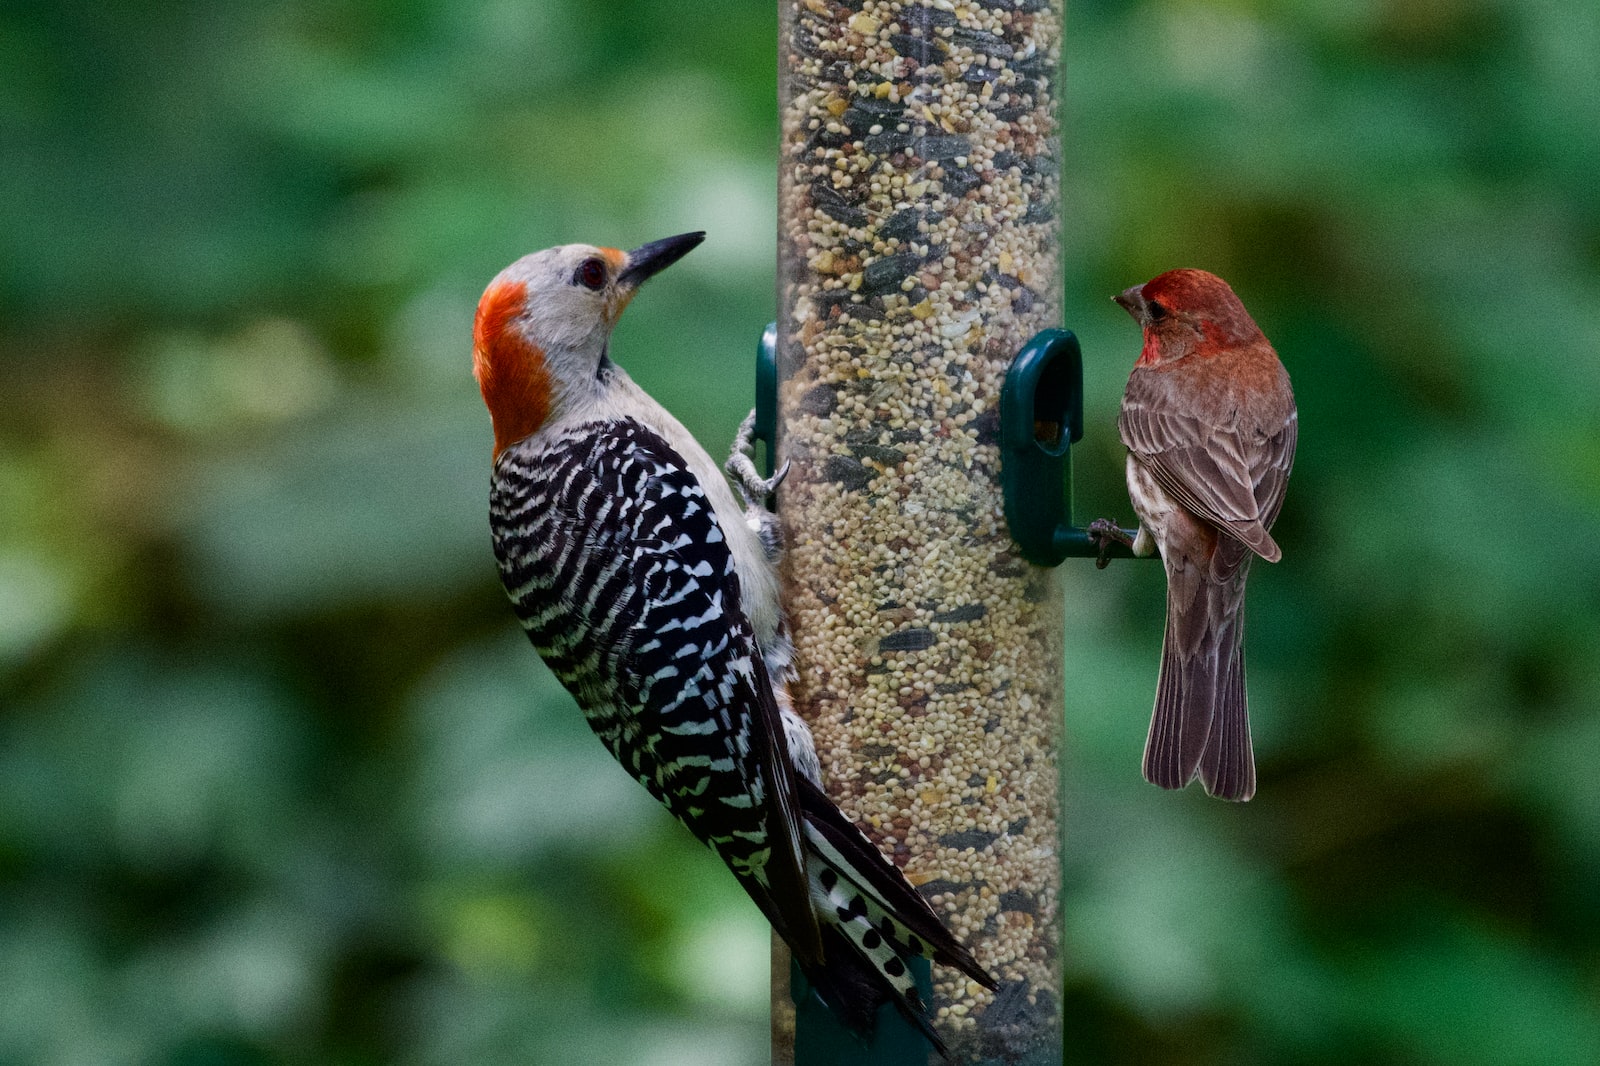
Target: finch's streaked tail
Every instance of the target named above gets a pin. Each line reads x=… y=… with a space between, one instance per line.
x=1201 y=723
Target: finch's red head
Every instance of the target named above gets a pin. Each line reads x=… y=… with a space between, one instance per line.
x=1188 y=312
x=539 y=340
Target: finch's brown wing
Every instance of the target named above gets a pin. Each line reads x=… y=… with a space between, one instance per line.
x=1219 y=473
x=1272 y=469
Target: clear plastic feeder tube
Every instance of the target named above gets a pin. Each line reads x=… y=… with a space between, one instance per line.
x=918 y=252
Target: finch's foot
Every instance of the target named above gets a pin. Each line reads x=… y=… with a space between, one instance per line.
x=1105 y=532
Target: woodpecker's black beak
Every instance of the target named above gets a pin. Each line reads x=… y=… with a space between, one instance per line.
x=1132 y=301
x=650 y=259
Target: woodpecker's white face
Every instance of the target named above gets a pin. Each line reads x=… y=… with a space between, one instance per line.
x=572 y=296
x=543 y=324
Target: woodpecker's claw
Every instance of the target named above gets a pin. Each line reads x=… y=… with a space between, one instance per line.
x=771 y=484
x=1105 y=532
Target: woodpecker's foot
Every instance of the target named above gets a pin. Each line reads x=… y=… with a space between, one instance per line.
x=741 y=467
x=744 y=441
x=754 y=490
x=1105 y=532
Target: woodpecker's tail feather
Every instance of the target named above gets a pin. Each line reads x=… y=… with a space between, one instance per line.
x=872 y=921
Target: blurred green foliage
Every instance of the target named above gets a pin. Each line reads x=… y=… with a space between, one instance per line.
x=279 y=780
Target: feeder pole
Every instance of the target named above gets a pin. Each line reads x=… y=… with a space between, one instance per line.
x=918 y=253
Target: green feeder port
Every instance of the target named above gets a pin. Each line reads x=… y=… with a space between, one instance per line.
x=1041 y=418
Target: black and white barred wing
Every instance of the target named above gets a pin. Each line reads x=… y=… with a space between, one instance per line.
x=622 y=576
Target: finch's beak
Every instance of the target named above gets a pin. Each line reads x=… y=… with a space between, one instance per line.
x=648 y=260
x=1132 y=301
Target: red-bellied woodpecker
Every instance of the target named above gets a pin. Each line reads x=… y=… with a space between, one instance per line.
x=653 y=597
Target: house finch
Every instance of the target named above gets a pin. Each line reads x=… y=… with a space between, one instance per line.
x=1210 y=425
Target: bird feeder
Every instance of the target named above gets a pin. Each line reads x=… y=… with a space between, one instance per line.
x=918 y=255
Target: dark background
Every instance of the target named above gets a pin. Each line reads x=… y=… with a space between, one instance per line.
x=280 y=781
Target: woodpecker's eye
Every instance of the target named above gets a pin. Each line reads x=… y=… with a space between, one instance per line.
x=1157 y=311
x=591 y=274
